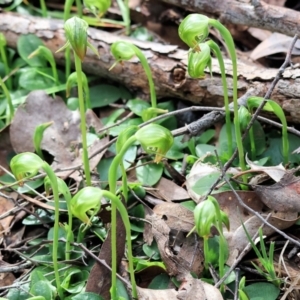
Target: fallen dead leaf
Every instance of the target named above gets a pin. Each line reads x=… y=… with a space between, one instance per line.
x=276 y=43
x=6 y=204
x=283 y=196
x=62 y=139
x=176 y=216
x=275 y=172
x=169 y=191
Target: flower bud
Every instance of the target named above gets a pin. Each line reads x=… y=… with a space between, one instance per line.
x=155 y=138
x=76 y=35
x=194 y=29
x=87 y=200
x=198 y=61
x=205 y=217
x=244 y=117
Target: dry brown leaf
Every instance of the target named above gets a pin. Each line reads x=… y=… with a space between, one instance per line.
x=169 y=191
x=62 y=139
x=283 y=196
x=180 y=256
x=275 y=172
x=276 y=43
x=6 y=204
x=176 y=216
x=5 y=149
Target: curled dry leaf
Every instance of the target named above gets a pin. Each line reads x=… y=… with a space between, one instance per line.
x=283 y=196
x=275 y=172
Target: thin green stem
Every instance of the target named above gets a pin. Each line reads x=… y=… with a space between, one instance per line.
x=206 y=252
x=82 y=121
x=6 y=67
x=285 y=143
x=147 y=70
x=252 y=143
x=230 y=44
x=9 y=101
x=125 y=11
x=219 y=56
x=112 y=180
x=79 y=8
x=124 y=215
x=67 y=13
x=53 y=180
x=44 y=8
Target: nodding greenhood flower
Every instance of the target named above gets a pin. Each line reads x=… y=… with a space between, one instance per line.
x=87 y=200
x=244 y=117
x=122 y=50
x=198 y=61
x=205 y=217
x=76 y=35
x=194 y=29
x=98 y=6
x=155 y=138
x=26 y=164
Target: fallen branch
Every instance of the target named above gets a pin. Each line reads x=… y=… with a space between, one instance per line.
x=255 y=14
x=168 y=64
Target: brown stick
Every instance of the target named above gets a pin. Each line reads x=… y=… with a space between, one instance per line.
x=168 y=65
x=255 y=13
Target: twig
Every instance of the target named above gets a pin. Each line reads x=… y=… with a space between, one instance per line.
x=100 y=261
x=252 y=211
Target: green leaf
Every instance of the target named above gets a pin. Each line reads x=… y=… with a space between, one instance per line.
x=34 y=79
x=206 y=136
x=152 y=251
x=142 y=264
x=204 y=149
x=137 y=211
x=28 y=43
x=262 y=290
x=142 y=34
x=86 y=296
x=17 y=294
x=61 y=246
x=137 y=106
x=74 y=280
x=43 y=288
x=160 y=282
x=189 y=204
x=149 y=174
x=33 y=184
x=115 y=131
x=121 y=290
x=203 y=185
x=104 y=94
